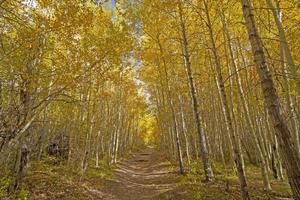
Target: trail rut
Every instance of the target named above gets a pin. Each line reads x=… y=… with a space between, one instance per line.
x=145 y=175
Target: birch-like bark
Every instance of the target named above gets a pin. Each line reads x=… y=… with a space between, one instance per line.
x=286 y=141
x=172 y=108
x=287 y=51
x=262 y=159
x=226 y=110
x=209 y=176
x=184 y=130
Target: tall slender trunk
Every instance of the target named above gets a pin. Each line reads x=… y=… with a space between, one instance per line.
x=286 y=141
x=117 y=135
x=286 y=56
x=289 y=100
x=226 y=110
x=262 y=159
x=97 y=149
x=184 y=130
x=198 y=120
x=172 y=108
x=287 y=52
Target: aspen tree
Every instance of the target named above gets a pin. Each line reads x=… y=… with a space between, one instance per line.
x=203 y=143
x=287 y=145
x=245 y=106
x=225 y=108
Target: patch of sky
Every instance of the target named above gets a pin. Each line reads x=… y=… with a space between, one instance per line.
x=30 y=3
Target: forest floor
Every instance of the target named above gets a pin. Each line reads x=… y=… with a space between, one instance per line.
x=145 y=175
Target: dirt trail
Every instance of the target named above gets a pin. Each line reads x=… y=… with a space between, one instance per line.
x=145 y=175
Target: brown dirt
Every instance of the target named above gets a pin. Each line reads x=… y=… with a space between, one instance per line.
x=145 y=175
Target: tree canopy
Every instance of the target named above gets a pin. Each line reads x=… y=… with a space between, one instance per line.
x=212 y=84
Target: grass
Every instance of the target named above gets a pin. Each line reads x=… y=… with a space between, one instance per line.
x=193 y=182
x=52 y=178
x=5 y=183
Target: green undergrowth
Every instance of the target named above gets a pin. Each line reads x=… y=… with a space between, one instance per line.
x=5 y=183
x=52 y=178
x=103 y=171
x=226 y=184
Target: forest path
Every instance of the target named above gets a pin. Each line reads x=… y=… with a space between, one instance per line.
x=145 y=175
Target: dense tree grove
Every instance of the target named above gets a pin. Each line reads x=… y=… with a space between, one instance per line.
x=201 y=57
x=67 y=83
x=214 y=82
